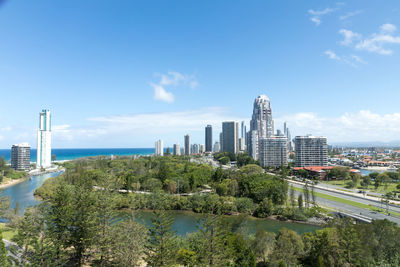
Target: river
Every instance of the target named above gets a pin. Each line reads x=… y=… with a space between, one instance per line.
x=184 y=222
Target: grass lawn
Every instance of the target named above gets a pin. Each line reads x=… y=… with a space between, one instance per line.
x=8 y=232
x=382 y=189
x=349 y=202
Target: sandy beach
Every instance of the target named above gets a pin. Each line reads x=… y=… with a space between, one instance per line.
x=11 y=182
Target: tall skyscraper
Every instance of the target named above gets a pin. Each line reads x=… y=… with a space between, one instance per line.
x=187 y=145
x=217 y=147
x=242 y=130
x=311 y=151
x=273 y=151
x=159 y=148
x=221 y=142
x=208 y=135
x=194 y=149
x=289 y=136
x=177 y=149
x=202 y=149
x=261 y=124
x=252 y=144
x=21 y=157
x=44 y=140
x=230 y=137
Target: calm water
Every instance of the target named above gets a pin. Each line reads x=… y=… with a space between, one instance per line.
x=188 y=222
x=23 y=192
x=185 y=222
x=75 y=153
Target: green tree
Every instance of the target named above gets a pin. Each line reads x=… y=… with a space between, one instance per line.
x=161 y=248
x=128 y=243
x=243 y=254
x=3 y=252
x=265 y=208
x=300 y=201
x=263 y=244
x=212 y=242
x=340 y=173
x=289 y=247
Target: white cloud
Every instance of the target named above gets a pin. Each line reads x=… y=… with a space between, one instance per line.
x=6 y=129
x=358 y=59
x=349 y=36
x=1 y=138
x=161 y=94
x=179 y=121
x=172 y=78
x=351 y=60
x=388 y=28
x=140 y=130
x=316 y=15
x=350 y=14
x=332 y=55
x=349 y=127
x=377 y=42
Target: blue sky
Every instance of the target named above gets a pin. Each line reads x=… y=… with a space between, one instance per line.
x=125 y=73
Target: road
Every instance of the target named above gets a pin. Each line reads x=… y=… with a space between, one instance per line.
x=349 y=208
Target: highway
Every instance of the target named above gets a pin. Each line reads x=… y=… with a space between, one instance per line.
x=349 y=208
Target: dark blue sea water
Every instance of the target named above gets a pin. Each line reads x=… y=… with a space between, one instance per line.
x=75 y=153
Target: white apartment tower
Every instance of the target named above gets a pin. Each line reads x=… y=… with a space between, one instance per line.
x=177 y=149
x=261 y=125
x=159 y=148
x=44 y=140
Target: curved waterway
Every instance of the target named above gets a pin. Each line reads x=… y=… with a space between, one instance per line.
x=184 y=222
x=22 y=193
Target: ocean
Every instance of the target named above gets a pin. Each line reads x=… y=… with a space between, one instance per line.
x=75 y=153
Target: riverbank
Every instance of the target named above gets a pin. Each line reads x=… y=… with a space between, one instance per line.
x=7 y=182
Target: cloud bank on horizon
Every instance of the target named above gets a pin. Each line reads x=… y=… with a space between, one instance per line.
x=140 y=130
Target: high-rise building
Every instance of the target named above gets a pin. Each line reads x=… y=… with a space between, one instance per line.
x=202 y=149
x=159 y=148
x=242 y=145
x=242 y=130
x=177 y=149
x=208 y=135
x=221 y=142
x=44 y=140
x=230 y=137
x=261 y=124
x=21 y=157
x=195 y=149
x=217 y=147
x=187 y=145
x=311 y=151
x=273 y=151
x=286 y=131
x=252 y=144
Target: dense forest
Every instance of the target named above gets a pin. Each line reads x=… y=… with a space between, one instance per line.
x=176 y=183
x=85 y=220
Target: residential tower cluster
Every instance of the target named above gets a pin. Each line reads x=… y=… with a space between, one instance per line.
x=271 y=148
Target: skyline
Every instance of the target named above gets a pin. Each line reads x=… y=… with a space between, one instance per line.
x=127 y=74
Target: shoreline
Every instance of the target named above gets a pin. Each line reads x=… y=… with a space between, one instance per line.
x=276 y=218
x=12 y=182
